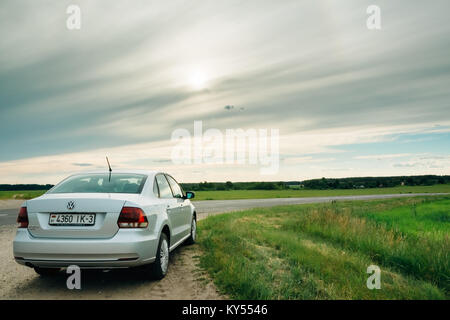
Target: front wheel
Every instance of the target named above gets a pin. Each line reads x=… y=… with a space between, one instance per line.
x=193 y=236
x=161 y=264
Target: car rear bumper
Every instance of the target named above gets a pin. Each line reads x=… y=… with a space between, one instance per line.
x=128 y=248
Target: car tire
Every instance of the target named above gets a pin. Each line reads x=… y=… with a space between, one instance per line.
x=161 y=265
x=46 y=272
x=193 y=236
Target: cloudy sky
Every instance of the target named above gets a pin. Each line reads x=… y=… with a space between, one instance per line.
x=347 y=101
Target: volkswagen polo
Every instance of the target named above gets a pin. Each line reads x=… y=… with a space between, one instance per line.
x=106 y=220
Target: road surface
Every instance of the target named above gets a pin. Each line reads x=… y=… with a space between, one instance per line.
x=9 y=209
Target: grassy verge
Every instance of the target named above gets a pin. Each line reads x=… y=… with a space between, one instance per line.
x=322 y=251
x=261 y=194
x=25 y=194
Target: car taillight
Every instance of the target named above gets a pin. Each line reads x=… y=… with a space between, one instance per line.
x=22 y=218
x=131 y=217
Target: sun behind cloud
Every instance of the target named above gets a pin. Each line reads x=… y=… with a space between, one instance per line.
x=198 y=80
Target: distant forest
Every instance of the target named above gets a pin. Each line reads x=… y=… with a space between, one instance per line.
x=315 y=184
x=23 y=187
x=322 y=184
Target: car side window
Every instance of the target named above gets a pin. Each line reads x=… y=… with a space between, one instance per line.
x=176 y=189
x=155 y=188
x=164 y=188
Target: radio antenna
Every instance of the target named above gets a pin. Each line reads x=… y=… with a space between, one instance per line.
x=110 y=170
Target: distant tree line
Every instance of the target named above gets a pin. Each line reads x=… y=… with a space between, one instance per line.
x=323 y=183
x=216 y=186
x=19 y=187
x=375 y=182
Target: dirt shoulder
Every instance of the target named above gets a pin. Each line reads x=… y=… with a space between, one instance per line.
x=185 y=279
x=10 y=204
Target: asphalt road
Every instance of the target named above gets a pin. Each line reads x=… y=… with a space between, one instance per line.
x=211 y=207
x=8 y=216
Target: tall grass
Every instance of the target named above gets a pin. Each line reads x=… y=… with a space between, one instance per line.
x=323 y=251
x=421 y=256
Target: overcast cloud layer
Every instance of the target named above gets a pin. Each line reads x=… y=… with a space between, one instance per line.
x=347 y=101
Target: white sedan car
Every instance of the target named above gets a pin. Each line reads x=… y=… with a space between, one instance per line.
x=106 y=220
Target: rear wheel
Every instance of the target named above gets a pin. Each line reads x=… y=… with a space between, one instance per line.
x=46 y=272
x=193 y=236
x=161 y=264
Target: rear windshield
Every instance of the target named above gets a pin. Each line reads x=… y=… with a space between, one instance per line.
x=101 y=183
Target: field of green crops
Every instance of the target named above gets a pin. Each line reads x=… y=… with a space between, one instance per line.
x=27 y=194
x=261 y=194
x=322 y=251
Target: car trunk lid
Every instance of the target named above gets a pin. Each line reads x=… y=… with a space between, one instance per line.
x=105 y=206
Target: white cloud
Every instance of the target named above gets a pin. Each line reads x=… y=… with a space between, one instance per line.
x=384 y=156
x=427 y=162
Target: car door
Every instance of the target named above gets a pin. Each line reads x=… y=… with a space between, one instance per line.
x=185 y=211
x=173 y=208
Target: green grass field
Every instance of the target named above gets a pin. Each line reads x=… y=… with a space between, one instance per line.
x=261 y=194
x=322 y=251
x=26 y=194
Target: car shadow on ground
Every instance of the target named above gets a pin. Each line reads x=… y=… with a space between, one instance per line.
x=100 y=284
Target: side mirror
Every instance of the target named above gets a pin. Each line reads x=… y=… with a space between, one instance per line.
x=189 y=195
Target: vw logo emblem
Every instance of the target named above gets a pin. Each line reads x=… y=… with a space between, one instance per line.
x=70 y=205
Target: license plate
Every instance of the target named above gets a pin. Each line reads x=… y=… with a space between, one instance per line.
x=72 y=219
